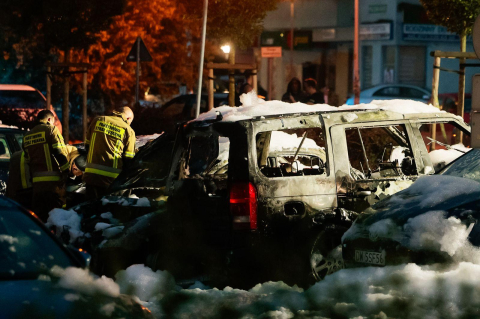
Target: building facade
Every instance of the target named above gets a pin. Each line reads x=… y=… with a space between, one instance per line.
x=396 y=39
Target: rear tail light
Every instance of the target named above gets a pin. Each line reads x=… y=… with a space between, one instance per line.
x=243 y=205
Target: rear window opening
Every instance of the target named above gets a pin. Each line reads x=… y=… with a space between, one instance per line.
x=206 y=158
x=293 y=152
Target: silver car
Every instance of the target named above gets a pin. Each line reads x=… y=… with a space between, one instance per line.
x=393 y=92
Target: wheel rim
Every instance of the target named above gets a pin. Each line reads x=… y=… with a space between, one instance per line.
x=325 y=265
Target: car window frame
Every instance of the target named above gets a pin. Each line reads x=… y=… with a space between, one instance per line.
x=341 y=149
x=280 y=124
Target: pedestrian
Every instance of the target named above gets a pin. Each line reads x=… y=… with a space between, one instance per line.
x=46 y=155
x=294 y=92
x=110 y=145
x=313 y=96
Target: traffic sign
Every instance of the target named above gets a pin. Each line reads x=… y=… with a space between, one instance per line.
x=144 y=54
x=271 y=52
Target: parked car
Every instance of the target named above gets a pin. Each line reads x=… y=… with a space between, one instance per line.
x=392 y=92
x=397 y=229
x=257 y=197
x=171 y=114
x=10 y=142
x=19 y=105
x=29 y=285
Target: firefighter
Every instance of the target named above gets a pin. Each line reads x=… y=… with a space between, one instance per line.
x=19 y=183
x=111 y=146
x=46 y=155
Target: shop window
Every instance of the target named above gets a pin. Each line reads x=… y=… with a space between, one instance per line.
x=388 y=64
x=367 y=60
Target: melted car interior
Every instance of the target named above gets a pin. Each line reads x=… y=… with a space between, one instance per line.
x=291 y=152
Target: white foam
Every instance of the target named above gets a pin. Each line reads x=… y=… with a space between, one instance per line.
x=254 y=107
x=59 y=217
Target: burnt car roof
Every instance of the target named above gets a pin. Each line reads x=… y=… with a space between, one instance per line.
x=362 y=115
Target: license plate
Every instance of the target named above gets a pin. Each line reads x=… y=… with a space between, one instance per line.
x=369 y=257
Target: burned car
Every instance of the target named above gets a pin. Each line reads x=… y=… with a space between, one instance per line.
x=257 y=197
x=435 y=221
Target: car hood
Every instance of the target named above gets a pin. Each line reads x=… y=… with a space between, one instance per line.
x=427 y=194
x=42 y=298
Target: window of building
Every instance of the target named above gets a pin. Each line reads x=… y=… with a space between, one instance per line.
x=367 y=60
x=388 y=64
x=412 y=65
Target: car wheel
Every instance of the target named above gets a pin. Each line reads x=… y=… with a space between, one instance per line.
x=325 y=256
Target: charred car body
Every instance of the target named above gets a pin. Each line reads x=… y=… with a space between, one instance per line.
x=262 y=198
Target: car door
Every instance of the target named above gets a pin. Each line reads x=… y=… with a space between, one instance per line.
x=379 y=159
x=198 y=193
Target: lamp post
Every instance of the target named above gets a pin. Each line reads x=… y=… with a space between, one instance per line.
x=292 y=38
x=202 y=57
x=356 y=72
x=229 y=50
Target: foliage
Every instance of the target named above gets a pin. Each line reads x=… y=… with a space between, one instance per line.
x=171 y=31
x=39 y=30
x=231 y=20
x=62 y=24
x=457 y=16
x=169 y=37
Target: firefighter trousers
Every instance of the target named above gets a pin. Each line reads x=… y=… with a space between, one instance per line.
x=47 y=196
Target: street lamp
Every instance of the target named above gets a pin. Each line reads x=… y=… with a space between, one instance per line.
x=226 y=49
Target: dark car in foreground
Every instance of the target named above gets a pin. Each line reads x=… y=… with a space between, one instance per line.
x=34 y=274
x=436 y=220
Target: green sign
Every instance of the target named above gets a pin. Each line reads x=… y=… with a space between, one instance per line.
x=377 y=8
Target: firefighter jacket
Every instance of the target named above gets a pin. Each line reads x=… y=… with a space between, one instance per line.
x=110 y=142
x=45 y=153
x=19 y=177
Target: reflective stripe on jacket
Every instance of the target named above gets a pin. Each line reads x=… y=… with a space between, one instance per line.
x=45 y=153
x=110 y=140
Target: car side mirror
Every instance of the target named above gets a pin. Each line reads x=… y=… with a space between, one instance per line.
x=81 y=256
